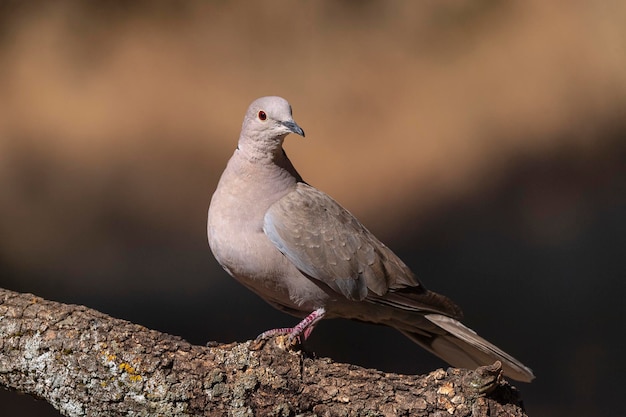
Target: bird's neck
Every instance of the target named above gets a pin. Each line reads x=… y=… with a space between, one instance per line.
x=261 y=151
x=267 y=158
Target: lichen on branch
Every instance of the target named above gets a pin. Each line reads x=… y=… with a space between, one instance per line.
x=84 y=363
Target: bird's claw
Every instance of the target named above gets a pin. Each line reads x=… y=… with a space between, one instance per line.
x=290 y=337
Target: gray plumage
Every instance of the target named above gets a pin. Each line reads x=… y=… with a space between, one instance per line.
x=302 y=252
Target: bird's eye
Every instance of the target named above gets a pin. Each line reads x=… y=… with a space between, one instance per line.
x=262 y=115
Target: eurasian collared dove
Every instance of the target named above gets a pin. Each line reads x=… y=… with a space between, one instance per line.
x=306 y=255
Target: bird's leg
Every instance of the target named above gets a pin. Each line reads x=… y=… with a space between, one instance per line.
x=304 y=328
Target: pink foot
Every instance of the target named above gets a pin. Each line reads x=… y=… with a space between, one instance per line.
x=304 y=328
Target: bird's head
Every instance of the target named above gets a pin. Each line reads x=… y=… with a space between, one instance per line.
x=267 y=122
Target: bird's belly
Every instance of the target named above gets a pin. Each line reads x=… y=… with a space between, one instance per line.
x=257 y=264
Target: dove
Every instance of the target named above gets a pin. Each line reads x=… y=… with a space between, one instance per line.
x=306 y=255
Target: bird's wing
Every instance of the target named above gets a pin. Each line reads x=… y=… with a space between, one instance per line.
x=326 y=242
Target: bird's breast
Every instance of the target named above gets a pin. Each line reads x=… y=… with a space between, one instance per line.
x=238 y=242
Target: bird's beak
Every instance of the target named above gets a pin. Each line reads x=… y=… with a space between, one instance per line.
x=293 y=126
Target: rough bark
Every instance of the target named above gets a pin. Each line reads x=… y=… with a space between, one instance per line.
x=86 y=363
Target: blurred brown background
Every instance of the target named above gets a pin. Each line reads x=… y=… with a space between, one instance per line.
x=484 y=141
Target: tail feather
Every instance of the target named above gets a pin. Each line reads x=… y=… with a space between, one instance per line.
x=460 y=346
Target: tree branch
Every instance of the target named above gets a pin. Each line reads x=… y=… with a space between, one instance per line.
x=86 y=363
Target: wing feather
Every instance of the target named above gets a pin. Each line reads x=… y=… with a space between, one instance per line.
x=327 y=243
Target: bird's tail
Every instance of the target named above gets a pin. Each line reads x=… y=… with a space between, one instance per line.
x=460 y=346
